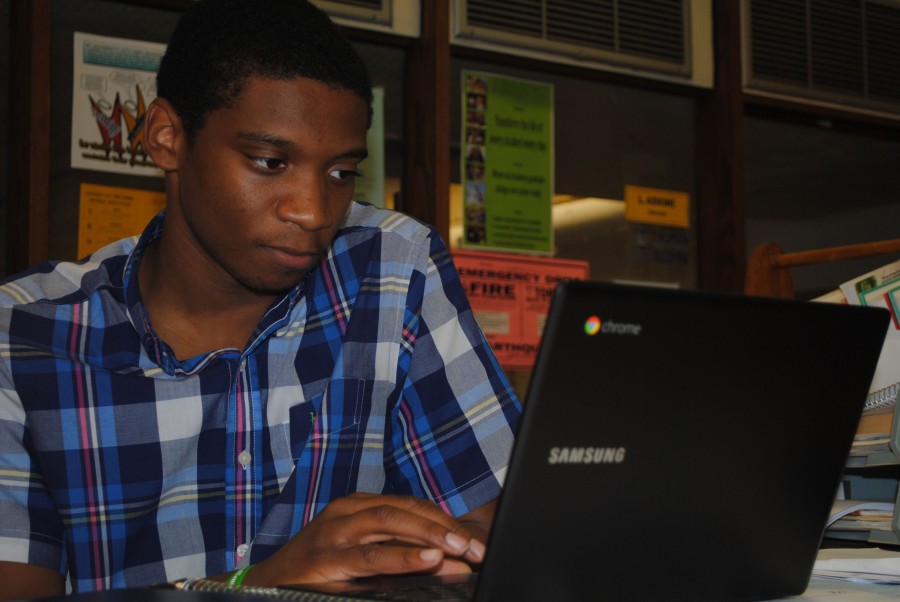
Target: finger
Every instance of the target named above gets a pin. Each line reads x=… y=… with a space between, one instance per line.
x=452 y=567
x=385 y=522
x=358 y=501
x=375 y=559
x=366 y=561
x=474 y=553
x=472 y=550
x=451 y=536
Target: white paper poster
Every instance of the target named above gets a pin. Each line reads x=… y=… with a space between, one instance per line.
x=114 y=82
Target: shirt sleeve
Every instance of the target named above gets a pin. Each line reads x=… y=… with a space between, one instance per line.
x=31 y=529
x=453 y=427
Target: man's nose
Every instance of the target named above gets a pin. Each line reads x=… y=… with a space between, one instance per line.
x=306 y=204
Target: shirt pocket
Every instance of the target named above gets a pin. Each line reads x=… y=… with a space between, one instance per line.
x=332 y=418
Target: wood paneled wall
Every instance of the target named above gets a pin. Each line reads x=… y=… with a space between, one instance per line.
x=426 y=177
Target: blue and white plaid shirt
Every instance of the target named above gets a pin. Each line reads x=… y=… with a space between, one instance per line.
x=121 y=465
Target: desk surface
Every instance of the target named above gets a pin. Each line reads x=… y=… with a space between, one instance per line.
x=834 y=591
x=824 y=590
x=820 y=589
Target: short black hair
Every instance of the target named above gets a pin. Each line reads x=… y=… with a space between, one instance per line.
x=218 y=44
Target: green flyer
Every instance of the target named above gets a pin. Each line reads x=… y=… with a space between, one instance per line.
x=370 y=184
x=507 y=163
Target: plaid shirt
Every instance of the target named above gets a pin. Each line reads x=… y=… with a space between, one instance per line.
x=121 y=465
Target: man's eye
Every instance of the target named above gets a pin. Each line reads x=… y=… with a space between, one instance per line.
x=344 y=175
x=268 y=163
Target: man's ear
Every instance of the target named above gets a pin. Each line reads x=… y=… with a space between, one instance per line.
x=164 y=135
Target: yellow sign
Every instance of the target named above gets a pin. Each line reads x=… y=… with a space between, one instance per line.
x=656 y=206
x=108 y=213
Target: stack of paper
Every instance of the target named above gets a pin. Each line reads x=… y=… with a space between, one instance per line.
x=869 y=444
x=867 y=565
x=874 y=432
x=855 y=515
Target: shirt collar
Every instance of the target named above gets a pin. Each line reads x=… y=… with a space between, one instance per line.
x=278 y=315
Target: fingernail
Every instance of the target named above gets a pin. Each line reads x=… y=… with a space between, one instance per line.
x=477 y=550
x=457 y=543
x=430 y=555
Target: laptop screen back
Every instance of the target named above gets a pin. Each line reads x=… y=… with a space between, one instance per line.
x=679 y=445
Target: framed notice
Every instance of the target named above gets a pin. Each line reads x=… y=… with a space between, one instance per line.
x=507 y=163
x=510 y=296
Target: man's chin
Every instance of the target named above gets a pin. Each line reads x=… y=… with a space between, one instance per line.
x=271 y=289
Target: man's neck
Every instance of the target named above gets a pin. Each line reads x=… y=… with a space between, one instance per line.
x=193 y=313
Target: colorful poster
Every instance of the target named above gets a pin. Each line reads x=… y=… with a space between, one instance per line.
x=114 y=82
x=507 y=164
x=107 y=214
x=510 y=296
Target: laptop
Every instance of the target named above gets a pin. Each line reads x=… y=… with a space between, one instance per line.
x=675 y=445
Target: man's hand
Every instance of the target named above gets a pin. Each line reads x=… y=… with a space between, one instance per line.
x=21 y=581
x=366 y=534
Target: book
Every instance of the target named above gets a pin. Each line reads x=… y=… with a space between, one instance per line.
x=868 y=445
x=876 y=422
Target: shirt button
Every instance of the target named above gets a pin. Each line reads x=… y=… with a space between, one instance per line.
x=242 y=550
x=244 y=458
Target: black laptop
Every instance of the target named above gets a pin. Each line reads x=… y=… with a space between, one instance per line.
x=676 y=446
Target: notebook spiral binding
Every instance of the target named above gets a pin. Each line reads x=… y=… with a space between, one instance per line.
x=882 y=398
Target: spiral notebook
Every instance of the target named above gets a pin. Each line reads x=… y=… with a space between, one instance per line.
x=882 y=399
x=675 y=445
x=886 y=382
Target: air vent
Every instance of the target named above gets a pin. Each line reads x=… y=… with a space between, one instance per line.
x=650 y=36
x=840 y=52
x=399 y=17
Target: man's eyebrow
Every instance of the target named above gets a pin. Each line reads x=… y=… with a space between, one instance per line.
x=264 y=139
x=358 y=153
x=272 y=140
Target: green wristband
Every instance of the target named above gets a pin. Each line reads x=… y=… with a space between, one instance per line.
x=237 y=577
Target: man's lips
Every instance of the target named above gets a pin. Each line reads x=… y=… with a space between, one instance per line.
x=294 y=260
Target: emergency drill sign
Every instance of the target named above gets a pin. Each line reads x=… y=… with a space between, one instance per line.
x=510 y=296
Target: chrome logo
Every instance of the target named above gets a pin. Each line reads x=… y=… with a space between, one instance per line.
x=592 y=325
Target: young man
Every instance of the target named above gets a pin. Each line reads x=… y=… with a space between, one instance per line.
x=272 y=376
